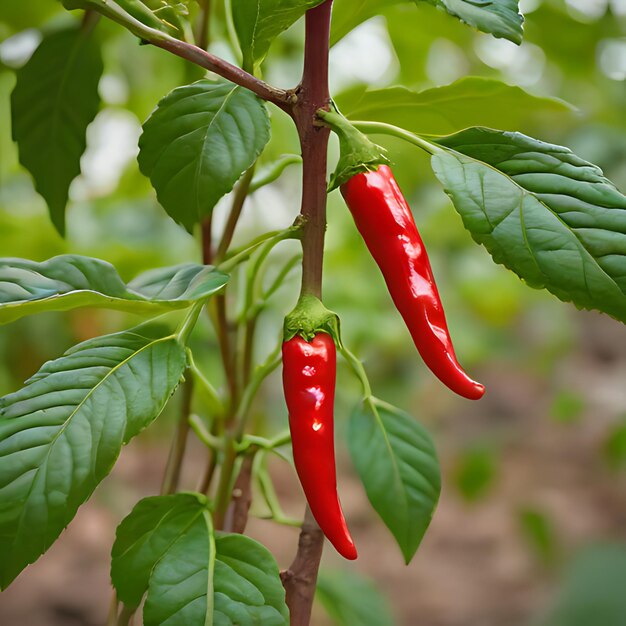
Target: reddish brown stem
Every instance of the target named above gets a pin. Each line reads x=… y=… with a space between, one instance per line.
x=237 y=514
x=179 y=445
x=312 y=94
x=279 y=97
x=207 y=245
x=192 y=53
x=301 y=577
x=239 y=199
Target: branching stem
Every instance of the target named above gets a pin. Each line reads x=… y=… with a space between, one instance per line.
x=312 y=94
x=190 y=52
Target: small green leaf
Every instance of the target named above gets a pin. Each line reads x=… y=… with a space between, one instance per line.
x=499 y=18
x=541 y=211
x=54 y=100
x=397 y=463
x=70 y=281
x=539 y=532
x=61 y=434
x=475 y=472
x=167 y=547
x=614 y=448
x=198 y=142
x=469 y=101
x=351 y=599
x=567 y=406
x=259 y=22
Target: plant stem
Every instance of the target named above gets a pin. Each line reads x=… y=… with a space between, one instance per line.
x=281 y=98
x=274 y=171
x=179 y=445
x=312 y=94
x=126 y=616
x=209 y=472
x=241 y=193
x=359 y=370
x=207 y=246
x=89 y=22
x=237 y=515
x=204 y=24
x=220 y=321
x=113 y=608
x=224 y=492
x=261 y=373
x=301 y=577
x=380 y=128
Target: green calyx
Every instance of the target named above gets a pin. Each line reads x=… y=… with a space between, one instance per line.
x=309 y=318
x=357 y=153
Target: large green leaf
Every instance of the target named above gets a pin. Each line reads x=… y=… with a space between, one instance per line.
x=497 y=17
x=397 y=463
x=350 y=599
x=70 y=281
x=167 y=547
x=61 y=434
x=541 y=211
x=500 y=18
x=54 y=100
x=470 y=101
x=259 y=22
x=198 y=142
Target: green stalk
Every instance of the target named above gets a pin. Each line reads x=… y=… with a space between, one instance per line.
x=380 y=128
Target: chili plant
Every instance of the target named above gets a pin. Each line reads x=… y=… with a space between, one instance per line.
x=540 y=210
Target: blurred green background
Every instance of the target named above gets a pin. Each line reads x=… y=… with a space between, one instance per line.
x=531 y=529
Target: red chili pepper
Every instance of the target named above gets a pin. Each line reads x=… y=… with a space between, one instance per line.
x=309 y=383
x=386 y=224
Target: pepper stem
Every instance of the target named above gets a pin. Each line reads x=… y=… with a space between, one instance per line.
x=357 y=153
x=381 y=128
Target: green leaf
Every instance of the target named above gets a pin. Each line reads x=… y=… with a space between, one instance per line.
x=198 y=142
x=61 y=434
x=167 y=547
x=470 y=101
x=248 y=589
x=499 y=18
x=593 y=590
x=350 y=599
x=348 y=14
x=397 y=463
x=146 y=535
x=614 y=448
x=70 y=281
x=259 y=22
x=541 y=211
x=540 y=534
x=54 y=100
x=475 y=472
